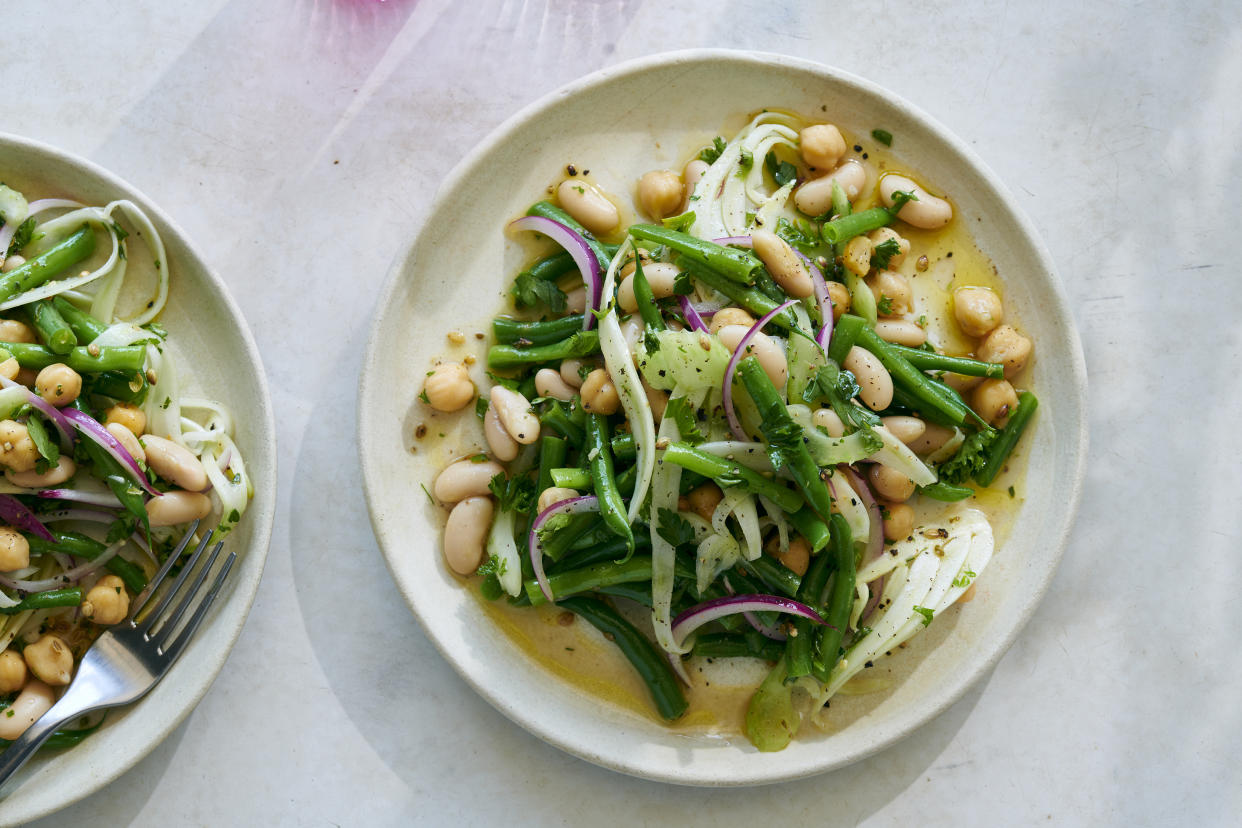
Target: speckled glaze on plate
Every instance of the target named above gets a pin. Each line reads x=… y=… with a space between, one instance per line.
x=621 y=122
x=215 y=351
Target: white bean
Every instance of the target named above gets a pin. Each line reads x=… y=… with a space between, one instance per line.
x=691 y=175
x=515 y=414
x=175 y=507
x=502 y=446
x=576 y=300
x=554 y=494
x=927 y=212
x=64 y=469
x=569 y=372
x=890 y=484
x=874 y=384
x=660 y=275
x=761 y=346
x=815 y=196
x=30 y=705
x=828 y=420
x=588 y=205
x=905 y=429
x=901 y=332
x=127 y=440
x=933 y=437
x=465 y=534
x=464 y=479
x=549 y=383
x=730 y=316
x=781 y=261
x=175 y=463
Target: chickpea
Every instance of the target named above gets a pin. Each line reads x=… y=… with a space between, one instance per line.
x=12 y=671
x=10 y=368
x=797 y=557
x=875 y=386
x=815 y=196
x=839 y=294
x=926 y=212
x=14 y=550
x=890 y=484
x=588 y=204
x=502 y=446
x=829 y=421
x=17 y=450
x=128 y=441
x=464 y=479
x=660 y=193
x=761 y=346
x=878 y=237
x=599 y=395
x=130 y=416
x=64 y=469
x=107 y=602
x=730 y=316
x=905 y=429
x=553 y=495
x=26 y=377
x=627 y=264
x=448 y=387
x=58 y=384
x=35 y=699
x=12 y=330
x=658 y=400
x=898 y=521
x=893 y=287
x=705 y=499
x=1008 y=347
x=978 y=310
x=994 y=400
x=857 y=257
x=465 y=534
x=12 y=263
x=51 y=660
x=822 y=146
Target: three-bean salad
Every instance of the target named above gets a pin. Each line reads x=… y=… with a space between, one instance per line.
x=107 y=464
x=739 y=428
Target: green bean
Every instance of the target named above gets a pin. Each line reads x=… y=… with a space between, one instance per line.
x=552 y=451
x=811 y=527
x=731 y=263
x=50 y=599
x=737 y=645
x=125 y=387
x=776 y=575
x=599 y=454
x=862 y=300
x=921 y=387
x=752 y=299
x=623 y=446
x=87 y=548
x=580 y=344
x=932 y=361
x=606 y=573
x=638 y=593
x=840 y=202
x=843 y=228
x=559 y=543
x=785 y=436
x=946 y=492
x=551 y=268
x=801 y=643
x=905 y=403
x=34 y=272
x=844 y=335
x=650 y=663
x=999 y=451
x=572 y=478
x=626 y=481
x=110 y=358
x=728 y=473
x=51 y=328
x=555 y=418
x=647 y=307
x=608 y=549
x=85 y=327
x=510 y=331
x=840 y=600
x=548 y=210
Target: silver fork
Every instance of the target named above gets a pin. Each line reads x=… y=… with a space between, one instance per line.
x=130 y=658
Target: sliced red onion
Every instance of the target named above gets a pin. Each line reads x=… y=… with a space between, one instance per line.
x=14 y=513
x=875 y=541
x=583 y=255
x=823 y=297
x=692 y=316
x=766 y=630
x=708 y=611
x=69 y=576
x=91 y=428
x=876 y=589
x=734 y=425
x=104 y=499
x=569 y=506
x=58 y=420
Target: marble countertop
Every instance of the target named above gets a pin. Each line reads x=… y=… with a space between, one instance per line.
x=299 y=142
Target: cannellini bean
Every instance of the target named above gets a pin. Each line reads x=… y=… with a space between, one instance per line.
x=978 y=310
x=901 y=332
x=502 y=446
x=576 y=300
x=11 y=330
x=890 y=484
x=628 y=266
x=875 y=386
x=828 y=420
x=890 y=285
x=128 y=441
x=857 y=257
x=64 y=469
x=994 y=400
x=175 y=463
x=928 y=212
x=961 y=383
x=821 y=146
x=588 y=205
x=704 y=499
x=933 y=437
x=905 y=429
x=691 y=175
x=660 y=276
x=781 y=261
x=175 y=507
x=515 y=414
x=14 y=549
x=58 y=384
x=1008 y=347
x=599 y=395
x=464 y=479
x=12 y=671
x=660 y=193
x=50 y=659
x=12 y=263
x=883 y=234
x=632 y=331
x=569 y=372
x=762 y=347
x=448 y=387
x=35 y=699
x=839 y=294
x=815 y=196
x=130 y=416
x=549 y=383
x=553 y=495
x=730 y=316
x=898 y=521
x=465 y=534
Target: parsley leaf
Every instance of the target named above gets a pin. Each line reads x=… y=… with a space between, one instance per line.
x=900 y=197
x=746 y=161
x=674 y=528
x=969 y=460
x=681 y=223
x=480 y=407
x=710 y=154
x=529 y=291
x=885 y=306
x=515 y=494
x=801 y=235
x=782 y=171
x=22 y=236
x=926 y=613
x=883 y=252
x=964 y=579
x=687 y=423
x=49 y=449
x=493 y=566
x=838 y=387
x=883 y=136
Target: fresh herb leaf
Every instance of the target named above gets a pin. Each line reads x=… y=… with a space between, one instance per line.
x=480 y=406
x=964 y=579
x=838 y=388
x=493 y=566
x=970 y=458
x=885 y=306
x=782 y=171
x=514 y=494
x=681 y=223
x=48 y=448
x=674 y=528
x=799 y=234
x=710 y=154
x=687 y=423
x=423 y=396
x=926 y=613
x=122 y=527
x=505 y=382
x=900 y=198
x=682 y=286
x=883 y=252
x=746 y=161
x=22 y=236
x=883 y=136
x=529 y=291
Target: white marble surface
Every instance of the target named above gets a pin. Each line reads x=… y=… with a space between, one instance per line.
x=298 y=142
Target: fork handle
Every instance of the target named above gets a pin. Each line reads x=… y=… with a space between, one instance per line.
x=26 y=745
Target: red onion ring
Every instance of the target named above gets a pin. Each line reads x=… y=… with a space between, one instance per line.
x=569 y=506
x=752 y=619
x=734 y=425
x=692 y=316
x=105 y=499
x=875 y=541
x=58 y=420
x=708 y=611
x=91 y=428
x=876 y=589
x=824 y=337
x=583 y=256
x=15 y=513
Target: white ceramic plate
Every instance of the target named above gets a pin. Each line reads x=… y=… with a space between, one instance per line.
x=214 y=348
x=619 y=123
